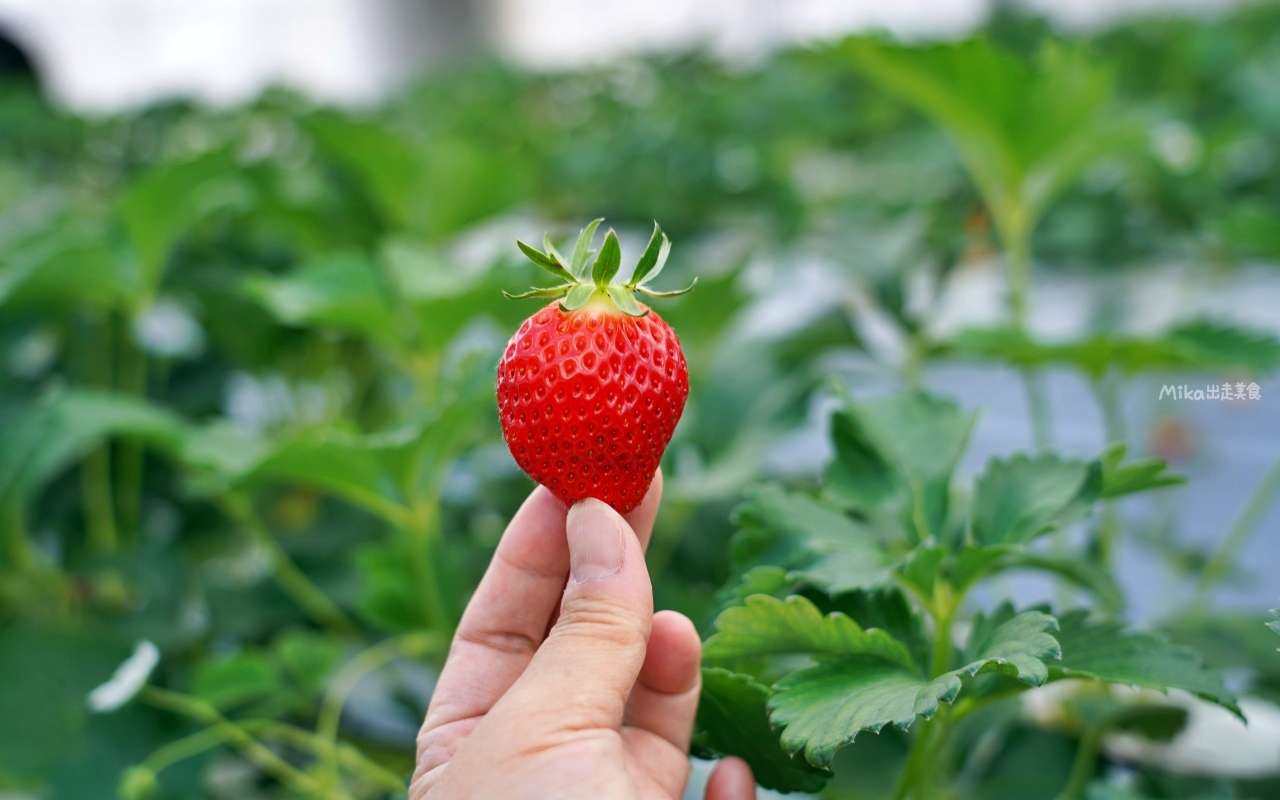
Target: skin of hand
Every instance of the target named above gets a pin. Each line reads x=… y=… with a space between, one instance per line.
x=561 y=682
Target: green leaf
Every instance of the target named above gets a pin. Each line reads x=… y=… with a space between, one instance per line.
x=895 y=455
x=1207 y=344
x=811 y=540
x=582 y=250
x=70 y=264
x=234 y=680
x=48 y=436
x=609 y=260
x=1200 y=345
x=1136 y=476
x=1103 y=650
x=550 y=249
x=824 y=707
x=341 y=292
x=1021 y=498
x=768 y=626
x=364 y=470
x=1275 y=623
x=973 y=563
x=45 y=675
x=384 y=163
x=732 y=721
x=654 y=258
x=1018 y=644
x=162 y=206
x=308 y=658
x=1025 y=129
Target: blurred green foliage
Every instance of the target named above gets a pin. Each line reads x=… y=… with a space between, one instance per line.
x=246 y=404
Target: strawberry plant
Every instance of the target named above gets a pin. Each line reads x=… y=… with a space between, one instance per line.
x=849 y=612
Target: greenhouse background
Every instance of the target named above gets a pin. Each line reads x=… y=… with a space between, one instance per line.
x=252 y=257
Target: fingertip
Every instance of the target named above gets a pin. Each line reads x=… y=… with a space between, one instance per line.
x=731 y=780
x=673 y=659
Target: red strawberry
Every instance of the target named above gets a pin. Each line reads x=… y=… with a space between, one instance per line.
x=591 y=387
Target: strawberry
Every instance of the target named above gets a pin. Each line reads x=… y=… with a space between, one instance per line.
x=591 y=387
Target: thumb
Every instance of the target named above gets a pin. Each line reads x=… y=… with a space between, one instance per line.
x=584 y=670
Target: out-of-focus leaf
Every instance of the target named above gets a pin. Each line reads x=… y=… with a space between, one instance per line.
x=1104 y=650
x=237 y=679
x=46 y=437
x=1233 y=642
x=732 y=721
x=45 y=675
x=308 y=658
x=1022 y=498
x=975 y=562
x=1251 y=230
x=342 y=292
x=1136 y=476
x=391 y=600
x=71 y=264
x=1024 y=128
x=1202 y=345
x=159 y=208
x=383 y=161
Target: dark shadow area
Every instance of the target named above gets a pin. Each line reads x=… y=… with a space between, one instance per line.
x=14 y=61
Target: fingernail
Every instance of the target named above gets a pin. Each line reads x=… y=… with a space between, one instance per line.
x=595 y=541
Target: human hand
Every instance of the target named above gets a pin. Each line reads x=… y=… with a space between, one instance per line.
x=561 y=681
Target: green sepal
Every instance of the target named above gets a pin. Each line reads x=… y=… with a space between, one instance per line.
x=623 y=300
x=549 y=263
x=582 y=249
x=609 y=260
x=578 y=297
x=675 y=293
x=550 y=249
x=654 y=258
x=548 y=291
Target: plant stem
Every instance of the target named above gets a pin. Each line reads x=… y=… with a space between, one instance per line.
x=349 y=758
x=932 y=736
x=131 y=379
x=1085 y=764
x=1222 y=559
x=95 y=490
x=293 y=581
x=233 y=735
x=913 y=360
x=944 y=609
x=1015 y=231
x=1107 y=392
x=374 y=658
x=95 y=369
x=17 y=545
x=914 y=766
x=422 y=538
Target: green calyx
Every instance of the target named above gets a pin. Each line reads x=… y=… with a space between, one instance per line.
x=584 y=279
